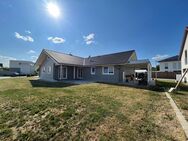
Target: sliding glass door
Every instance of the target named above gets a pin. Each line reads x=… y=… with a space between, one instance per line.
x=62 y=72
x=79 y=73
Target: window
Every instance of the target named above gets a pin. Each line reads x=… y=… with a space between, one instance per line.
x=166 y=65
x=179 y=65
x=186 y=57
x=174 y=66
x=93 y=69
x=105 y=70
x=49 y=69
x=111 y=70
x=44 y=69
x=108 y=70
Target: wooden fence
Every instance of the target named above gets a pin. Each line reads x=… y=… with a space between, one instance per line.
x=166 y=75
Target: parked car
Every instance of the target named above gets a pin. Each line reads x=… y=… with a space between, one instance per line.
x=15 y=74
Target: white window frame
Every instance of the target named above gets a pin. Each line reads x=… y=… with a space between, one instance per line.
x=49 y=70
x=93 y=73
x=108 y=70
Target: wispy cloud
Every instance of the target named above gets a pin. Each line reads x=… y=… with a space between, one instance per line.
x=56 y=40
x=28 y=31
x=34 y=58
x=25 y=38
x=31 y=52
x=5 y=60
x=159 y=57
x=89 y=39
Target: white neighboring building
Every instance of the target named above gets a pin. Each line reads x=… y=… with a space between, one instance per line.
x=184 y=55
x=22 y=67
x=171 y=64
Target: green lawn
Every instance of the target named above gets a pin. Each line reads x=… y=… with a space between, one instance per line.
x=34 y=110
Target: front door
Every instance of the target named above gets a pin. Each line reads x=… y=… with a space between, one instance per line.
x=79 y=73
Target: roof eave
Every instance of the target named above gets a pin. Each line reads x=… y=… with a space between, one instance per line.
x=183 y=42
x=44 y=52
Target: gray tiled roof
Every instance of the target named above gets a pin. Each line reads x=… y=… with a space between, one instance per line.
x=115 y=58
x=173 y=58
x=63 y=58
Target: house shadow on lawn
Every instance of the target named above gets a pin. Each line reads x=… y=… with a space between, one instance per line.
x=40 y=83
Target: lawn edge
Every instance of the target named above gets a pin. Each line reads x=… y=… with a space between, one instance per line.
x=179 y=115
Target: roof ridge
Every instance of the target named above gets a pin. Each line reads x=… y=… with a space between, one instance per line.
x=62 y=53
x=112 y=53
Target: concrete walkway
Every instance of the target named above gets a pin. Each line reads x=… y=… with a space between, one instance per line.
x=179 y=115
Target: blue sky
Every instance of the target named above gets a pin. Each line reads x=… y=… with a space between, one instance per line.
x=154 y=28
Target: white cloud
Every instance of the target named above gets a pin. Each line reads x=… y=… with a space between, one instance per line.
x=25 y=38
x=34 y=58
x=89 y=39
x=159 y=57
x=50 y=38
x=5 y=60
x=28 y=31
x=31 y=52
x=56 y=40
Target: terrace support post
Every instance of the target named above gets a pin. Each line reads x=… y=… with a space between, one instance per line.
x=123 y=77
x=61 y=68
x=74 y=73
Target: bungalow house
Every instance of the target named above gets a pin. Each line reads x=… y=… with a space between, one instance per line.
x=170 y=64
x=114 y=68
x=184 y=55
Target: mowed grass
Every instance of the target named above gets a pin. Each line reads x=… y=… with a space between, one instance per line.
x=180 y=96
x=35 y=110
x=181 y=99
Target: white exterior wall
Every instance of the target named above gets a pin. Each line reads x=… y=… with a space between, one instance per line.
x=45 y=75
x=170 y=66
x=184 y=66
x=26 y=67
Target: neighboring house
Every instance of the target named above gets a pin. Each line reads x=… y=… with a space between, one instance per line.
x=184 y=55
x=22 y=67
x=115 y=68
x=171 y=64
